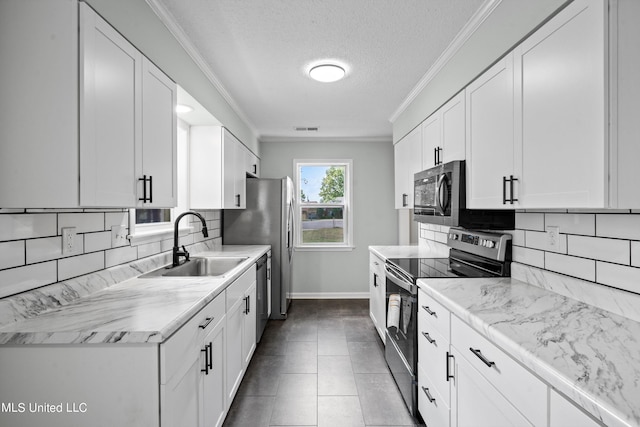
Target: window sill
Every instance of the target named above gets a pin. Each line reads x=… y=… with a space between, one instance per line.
x=323 y=248
x=150 y=236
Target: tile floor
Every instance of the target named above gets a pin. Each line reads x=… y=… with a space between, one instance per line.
x=323 y=366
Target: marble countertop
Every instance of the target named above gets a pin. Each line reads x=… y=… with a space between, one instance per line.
x=589 y=354
x=410 y=251
x=137 y=310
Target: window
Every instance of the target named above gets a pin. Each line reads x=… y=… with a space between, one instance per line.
x=323 y=202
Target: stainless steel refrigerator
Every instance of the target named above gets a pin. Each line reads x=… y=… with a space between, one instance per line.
x=267 y=220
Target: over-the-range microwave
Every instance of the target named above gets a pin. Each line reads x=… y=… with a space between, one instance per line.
x=440 y=198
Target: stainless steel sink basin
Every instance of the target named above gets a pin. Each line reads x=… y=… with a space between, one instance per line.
x=195 y=267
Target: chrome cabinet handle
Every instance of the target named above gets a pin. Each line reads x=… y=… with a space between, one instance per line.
x=206 y=322
x=426 y=308
x=431 y=340
x=426 y=391
x=480 y=356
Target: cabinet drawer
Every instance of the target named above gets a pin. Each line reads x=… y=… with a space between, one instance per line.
x=240 y=286
x=433 y=349
x=526 y=392
x=435 y=412
x=184 y=346
x=435 y=314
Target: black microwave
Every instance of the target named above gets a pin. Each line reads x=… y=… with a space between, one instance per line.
x=440 y=198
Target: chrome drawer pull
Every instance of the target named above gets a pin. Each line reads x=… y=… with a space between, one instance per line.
x=206 y=322
x=481 y=357
x=426 y=308
x=431 y=340
x=426 y=391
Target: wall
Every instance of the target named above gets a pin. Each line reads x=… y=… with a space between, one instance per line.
x=320 y=274
x=509 y=22
x=31 y=244
x=136 y=21
x=598 y=247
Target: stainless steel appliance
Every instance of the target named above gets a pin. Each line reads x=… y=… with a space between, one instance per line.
x=472 y=254
x=440 y=198
x=267 y=220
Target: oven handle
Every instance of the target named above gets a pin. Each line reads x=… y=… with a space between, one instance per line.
x=397 y=278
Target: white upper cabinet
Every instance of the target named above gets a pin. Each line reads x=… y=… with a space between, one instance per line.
x=443 y=133
x=489 y=143
x=217 y=169
x=127 y=122
x=561 y=110
x=39 y=104
x=252 y=164
x=407 y=162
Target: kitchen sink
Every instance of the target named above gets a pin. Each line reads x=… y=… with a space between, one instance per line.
x=198 y=266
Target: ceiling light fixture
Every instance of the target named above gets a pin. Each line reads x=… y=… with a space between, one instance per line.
x=327 y=73
x=182 y=108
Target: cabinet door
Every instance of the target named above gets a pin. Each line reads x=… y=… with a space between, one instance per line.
x=234 y=339
x=561 y=110
x=159 y=133
x=563 y=413
x=229 y=170
x=212 y=381
x=252 y=164
x=240 y=177
x=249 y=333
x=453 y=129
x=432 y=140
x=407 y=162
x=179 y=398
x=377 y=298
x=489 y=144
x=39 y=75
x=110 y=113
x=476 y=403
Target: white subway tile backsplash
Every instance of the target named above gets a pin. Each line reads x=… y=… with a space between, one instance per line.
x=572 y=223
x=619 y=226
x=571 y=266
x=611 y=250
x=540 y=240
x=50 y=248
x=97 y=241
x=20 y=279
x=528 y=256
x=619 y=276
x=529 y=221
x=83 y=222
x=116 y=218
x=635 y=254
x=12 y=254
x=27 y=226
x=517 y=237
x=79 y=265
x=149 y=249
x=120 y=255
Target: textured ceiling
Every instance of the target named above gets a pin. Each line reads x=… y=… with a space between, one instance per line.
x=260 y=50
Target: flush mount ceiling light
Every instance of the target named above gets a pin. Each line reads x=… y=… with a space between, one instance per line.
x=327 y=73
x=182 y=108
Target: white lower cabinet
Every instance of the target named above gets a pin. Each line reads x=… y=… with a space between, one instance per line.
x=241 y=329
x=377 y=295
x=212 y=382
x=563 y=413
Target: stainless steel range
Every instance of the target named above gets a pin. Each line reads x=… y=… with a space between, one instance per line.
x=472 y=254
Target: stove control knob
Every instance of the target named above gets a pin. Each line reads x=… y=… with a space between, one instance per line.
x=491 y=244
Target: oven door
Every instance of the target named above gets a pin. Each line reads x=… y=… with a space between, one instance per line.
x=401 y=350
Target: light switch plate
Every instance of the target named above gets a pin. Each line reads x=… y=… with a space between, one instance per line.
x=118 y=236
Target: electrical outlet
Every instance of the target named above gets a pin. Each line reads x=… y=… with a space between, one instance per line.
x=553 y=236
x=118 y=236
x=68 y=239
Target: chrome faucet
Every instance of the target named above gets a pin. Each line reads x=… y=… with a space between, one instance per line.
x=177 y=253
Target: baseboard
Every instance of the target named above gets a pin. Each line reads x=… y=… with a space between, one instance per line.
x=329 y=295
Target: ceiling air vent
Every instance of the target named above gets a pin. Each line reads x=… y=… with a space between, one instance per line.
x=305 y=129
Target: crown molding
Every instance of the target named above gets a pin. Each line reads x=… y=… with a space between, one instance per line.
x=329 y=139
x=461 y=38
x=169 y=21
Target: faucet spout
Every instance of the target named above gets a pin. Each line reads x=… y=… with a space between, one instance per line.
x=177 y=253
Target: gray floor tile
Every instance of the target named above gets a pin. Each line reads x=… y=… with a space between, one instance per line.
x=343 y=411
x=329 y=347
x=381 y=401
x=294 y=410
x=335 y=376
x=250 y=411
x=298 y=385
x=367 y=357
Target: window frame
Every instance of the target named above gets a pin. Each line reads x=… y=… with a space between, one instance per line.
x=346 y=205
